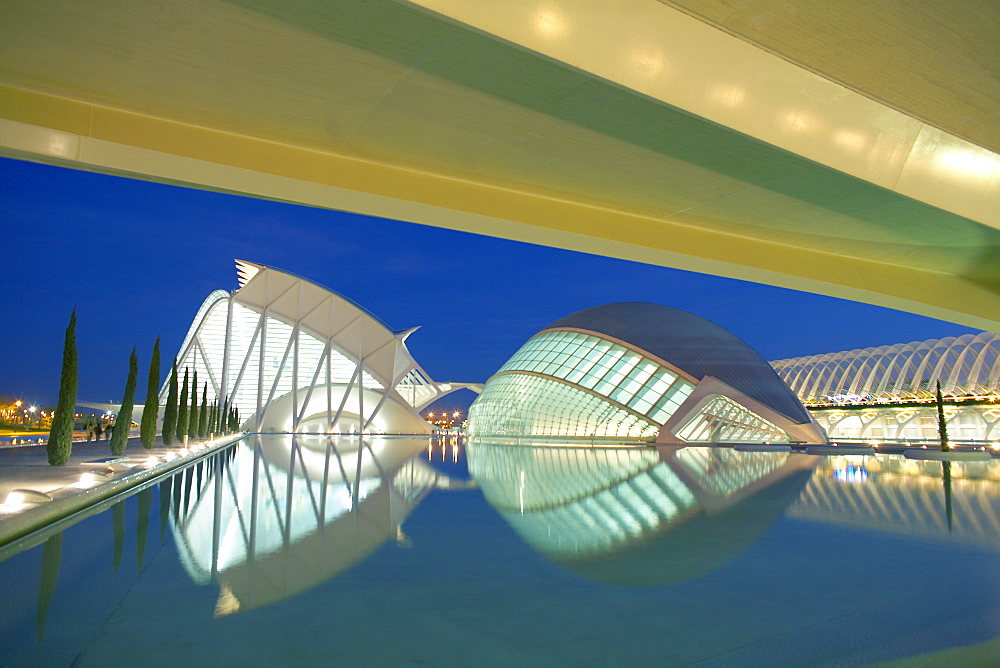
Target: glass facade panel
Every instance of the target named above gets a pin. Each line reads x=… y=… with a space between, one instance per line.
x=519 y=404
x=617 y=372
x=606 y=368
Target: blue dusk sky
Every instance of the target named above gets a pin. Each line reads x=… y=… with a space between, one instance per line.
x=138 y=258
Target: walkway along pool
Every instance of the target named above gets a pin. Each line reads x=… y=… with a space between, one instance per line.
x=394 y=551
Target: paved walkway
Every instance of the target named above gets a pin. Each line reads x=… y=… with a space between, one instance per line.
x=28 y=466
x=70 y=486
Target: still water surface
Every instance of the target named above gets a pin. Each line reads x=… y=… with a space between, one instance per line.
x=278 y=551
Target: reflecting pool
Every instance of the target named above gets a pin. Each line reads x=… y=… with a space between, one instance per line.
x=388 y=551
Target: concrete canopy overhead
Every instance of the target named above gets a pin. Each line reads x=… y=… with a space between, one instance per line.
x=845 y=148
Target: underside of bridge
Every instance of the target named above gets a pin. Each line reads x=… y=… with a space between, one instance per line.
x=846 y=147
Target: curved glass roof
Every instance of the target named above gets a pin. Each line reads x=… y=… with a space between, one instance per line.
x=693 y=345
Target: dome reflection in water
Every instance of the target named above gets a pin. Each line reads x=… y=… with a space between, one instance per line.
x=638 y=515
x=282 y=514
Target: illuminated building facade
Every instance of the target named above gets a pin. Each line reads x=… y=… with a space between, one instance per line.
x=295 y=357
x=643 y=372
x=887 y=392
x=966 y=365
x=872 y=422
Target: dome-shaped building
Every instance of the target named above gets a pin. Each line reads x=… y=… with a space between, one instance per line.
x=640 y=371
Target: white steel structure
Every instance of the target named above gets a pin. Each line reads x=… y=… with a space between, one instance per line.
x=967 y=365
x=965 y=423
x=295 y=357
x=858 y=387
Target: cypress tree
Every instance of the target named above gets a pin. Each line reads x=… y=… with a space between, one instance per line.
x=203 y=415
x=942 y=423
x=170 y=410
x=193 y=416
x=182 y=408
x=119 y=437
x=147 y=430
x=60 y=443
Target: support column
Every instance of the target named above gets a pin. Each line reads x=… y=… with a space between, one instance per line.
x=227 y=351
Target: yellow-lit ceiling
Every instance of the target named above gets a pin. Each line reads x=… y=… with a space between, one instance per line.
x=779 y=142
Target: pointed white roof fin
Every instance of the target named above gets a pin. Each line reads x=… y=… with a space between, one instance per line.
x=403 y=334
x=245 y=271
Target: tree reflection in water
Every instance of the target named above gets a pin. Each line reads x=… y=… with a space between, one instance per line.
x=51 y=556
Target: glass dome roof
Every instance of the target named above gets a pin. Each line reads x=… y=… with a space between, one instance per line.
x=694 y=345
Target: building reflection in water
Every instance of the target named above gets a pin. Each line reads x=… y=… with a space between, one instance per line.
x=957 y=502
x=277 y=515
x=638 y=515
x=445 y=446
x=653 y=516
x=274 y=516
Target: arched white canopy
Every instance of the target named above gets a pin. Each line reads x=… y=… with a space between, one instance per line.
x=293 y=356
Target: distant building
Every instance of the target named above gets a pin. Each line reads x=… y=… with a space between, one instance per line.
x=643 y=372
